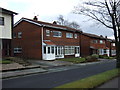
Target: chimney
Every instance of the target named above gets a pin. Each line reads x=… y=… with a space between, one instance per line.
x=54 y=22
x=35 y=18
x=101 y=36
x=106 y=37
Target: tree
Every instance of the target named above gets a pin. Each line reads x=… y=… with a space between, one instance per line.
x=107 y=13
x=62 y=21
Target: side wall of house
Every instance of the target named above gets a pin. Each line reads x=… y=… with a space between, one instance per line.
x=31 y=41
x=85 y=45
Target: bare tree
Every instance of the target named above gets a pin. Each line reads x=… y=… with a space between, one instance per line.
x=62 y=21
x=106 y=12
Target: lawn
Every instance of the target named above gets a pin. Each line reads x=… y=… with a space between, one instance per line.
x=73 y=60
x=92 y=81
x=5 y=61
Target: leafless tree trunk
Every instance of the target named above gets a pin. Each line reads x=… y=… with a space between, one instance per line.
x=106 y=12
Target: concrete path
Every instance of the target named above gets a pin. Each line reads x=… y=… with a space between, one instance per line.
x=111 y=84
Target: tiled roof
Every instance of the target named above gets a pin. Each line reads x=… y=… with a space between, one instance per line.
x=93 y=36
x=46 y=24
x=49 y=43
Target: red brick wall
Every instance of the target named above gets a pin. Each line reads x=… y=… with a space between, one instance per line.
x=85 y=45
x=62 y=40
x=30 y=41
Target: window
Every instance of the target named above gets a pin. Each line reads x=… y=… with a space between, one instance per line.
x=19 y=34
x=57 y=34
x=95 y=41
x=1 y=20
x=101 y=42
x=69 y=35
x=48 y=50
x=14 y=35
x=52 y=50
x=17 y=50
x=47 y=32
x=77 y=50
x=75 y=36
x=44 y=49
x=69 y=50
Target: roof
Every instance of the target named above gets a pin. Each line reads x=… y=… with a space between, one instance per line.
x=46 y=24
x=96 y=47
x=49 y=43
x=7 y=11
x=93 y=36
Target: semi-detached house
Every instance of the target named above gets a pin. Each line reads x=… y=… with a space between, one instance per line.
x=45 y=41
x=6 y=28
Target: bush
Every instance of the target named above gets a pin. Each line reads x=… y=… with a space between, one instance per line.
x=92 y=58
x=95 y=56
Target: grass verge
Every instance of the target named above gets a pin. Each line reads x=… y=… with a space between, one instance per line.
x=5 y=62
x=73 y=60
x=92 y=81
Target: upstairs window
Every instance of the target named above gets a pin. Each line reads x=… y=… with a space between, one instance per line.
x=47 y=32
x=69 y=35
x=75 y=36
x=14 y=35
x=57 y=34
x=101 y=42
x=1 y=20
x=19 y=34
x=95 y=41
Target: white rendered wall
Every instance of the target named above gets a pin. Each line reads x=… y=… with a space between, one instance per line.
x=5 y=30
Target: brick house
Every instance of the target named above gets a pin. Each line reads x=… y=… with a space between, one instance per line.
x=94 y=44
x=6 y=28
x=42 y=40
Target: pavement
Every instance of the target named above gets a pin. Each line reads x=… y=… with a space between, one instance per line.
x=48 y=66
x=111 y=84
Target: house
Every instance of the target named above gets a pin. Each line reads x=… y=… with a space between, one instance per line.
x=45 y=41
x=6 y=27
x=111 y=44
x=94 y=44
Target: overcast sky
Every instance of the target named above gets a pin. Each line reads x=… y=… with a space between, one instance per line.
x=49 y=10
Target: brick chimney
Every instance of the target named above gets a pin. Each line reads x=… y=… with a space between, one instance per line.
x=35 y=18
x=54 y=22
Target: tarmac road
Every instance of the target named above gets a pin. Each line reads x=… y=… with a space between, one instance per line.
x=50 y=80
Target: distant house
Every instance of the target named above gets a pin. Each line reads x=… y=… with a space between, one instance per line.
x=45 y=41
x=94 y=44
x=6 y=27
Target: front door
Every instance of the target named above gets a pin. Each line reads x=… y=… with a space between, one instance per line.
x=49 y=53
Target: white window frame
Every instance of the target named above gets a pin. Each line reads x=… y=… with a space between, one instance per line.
x=69 y=50
x=59 y=34
x=17 y=50
x=75 y=36
x=47 y=32
x=19 y=34
x=69 y=35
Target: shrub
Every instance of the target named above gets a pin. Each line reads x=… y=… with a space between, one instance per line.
x=95 y=56
x=92 y=58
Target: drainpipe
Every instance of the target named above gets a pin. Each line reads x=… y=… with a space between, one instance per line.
x=42 y=40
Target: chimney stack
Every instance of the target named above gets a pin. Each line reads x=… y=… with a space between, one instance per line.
x=35 y=18
x=54 y=22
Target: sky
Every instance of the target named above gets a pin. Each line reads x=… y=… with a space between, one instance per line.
x=49 y=11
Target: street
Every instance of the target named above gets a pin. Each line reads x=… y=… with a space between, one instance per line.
x=50 y=80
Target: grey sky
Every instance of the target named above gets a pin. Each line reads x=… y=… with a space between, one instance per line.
x=49 y=10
